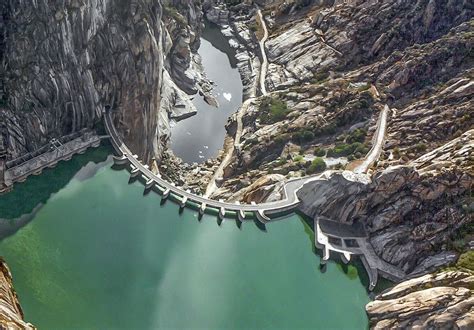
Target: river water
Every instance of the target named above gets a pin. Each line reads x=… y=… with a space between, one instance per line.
x=201 y=136
x=98 y=254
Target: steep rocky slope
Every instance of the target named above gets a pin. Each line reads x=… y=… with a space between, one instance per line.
x=438 y=301
x=333 y=67
x=63 y=62
x=11 y=315
x=424 y=206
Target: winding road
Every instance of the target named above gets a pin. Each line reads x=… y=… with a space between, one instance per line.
x=264 y=212
x=377 y=143
x=264 y=66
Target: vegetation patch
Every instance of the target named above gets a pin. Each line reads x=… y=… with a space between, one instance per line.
x=355 y=149
x=317 y=165
x=173 y=13
x=466 y=261
x=350 y=145
x=298 y=158
x=357 y=135
x=303 y=136
x=320 y=152
x=272 y=110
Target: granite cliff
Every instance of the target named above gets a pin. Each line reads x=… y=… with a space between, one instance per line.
x=11 y=314
x=63 y=62
x=438 y=301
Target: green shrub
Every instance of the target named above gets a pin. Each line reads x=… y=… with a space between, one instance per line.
x=319 y=152
x=357 y=135
x=396 y=152
x=303 y=136
x=420 y=147
x=174 y=14
x=363 y=88
x=281 y=139
x=343 y=149
x=272 y=110
x=466 y=260
x=280 y=162
x=329 y=129
x=317 y=165
x=298 y=158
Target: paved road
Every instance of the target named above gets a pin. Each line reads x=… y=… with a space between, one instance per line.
x=377 y=143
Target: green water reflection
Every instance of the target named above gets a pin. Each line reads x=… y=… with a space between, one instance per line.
x=101 y=255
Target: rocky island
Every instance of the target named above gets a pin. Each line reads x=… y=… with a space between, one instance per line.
x=366 y=103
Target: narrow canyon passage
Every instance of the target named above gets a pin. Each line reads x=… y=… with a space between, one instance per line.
x=201 y=136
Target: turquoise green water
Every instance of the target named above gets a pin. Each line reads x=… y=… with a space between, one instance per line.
x=100 y=255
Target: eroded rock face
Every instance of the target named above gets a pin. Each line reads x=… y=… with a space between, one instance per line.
x=65 y=61
x=438 y=301
x=336 y=64
x=11 y=315
x=409 y=211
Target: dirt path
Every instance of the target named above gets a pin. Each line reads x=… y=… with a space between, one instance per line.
x=264 y=67
x=378 y=141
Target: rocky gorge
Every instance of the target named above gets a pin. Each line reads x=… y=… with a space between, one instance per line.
x=333 y=67
x=137 y=58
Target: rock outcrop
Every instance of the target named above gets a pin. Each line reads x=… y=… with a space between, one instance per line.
x=236 y=21
x=439 y=301
x=63 y=62
x=11 y=315
x=418 y=207
x=336 y=64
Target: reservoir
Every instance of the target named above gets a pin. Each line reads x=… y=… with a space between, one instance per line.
x=201 y=136
x=88 y=250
